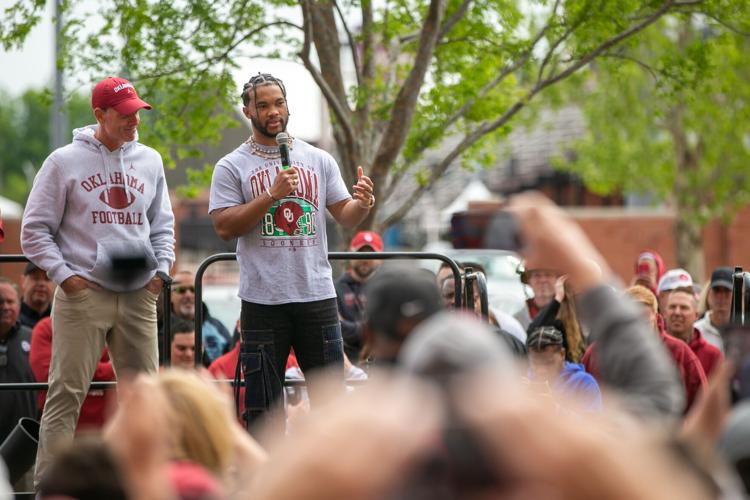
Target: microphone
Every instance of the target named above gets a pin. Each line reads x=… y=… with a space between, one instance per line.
x=282 y=139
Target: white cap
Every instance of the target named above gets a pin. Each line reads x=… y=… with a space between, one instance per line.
x=674 y=278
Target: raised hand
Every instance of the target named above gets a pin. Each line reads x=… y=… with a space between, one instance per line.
x=363 y=190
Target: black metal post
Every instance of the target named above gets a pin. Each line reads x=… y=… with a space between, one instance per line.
x=738 y=297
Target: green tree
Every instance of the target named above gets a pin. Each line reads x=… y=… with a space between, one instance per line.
x=669 y=116
x=445 y=75
x=24 y=136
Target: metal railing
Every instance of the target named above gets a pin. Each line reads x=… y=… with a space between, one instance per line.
x=739 y=316
x=471 y=278
x=228 y=256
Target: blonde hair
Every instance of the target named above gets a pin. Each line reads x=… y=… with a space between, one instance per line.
x=703 y=306
x=640 y=293
x=576 y=346
x=201 y=420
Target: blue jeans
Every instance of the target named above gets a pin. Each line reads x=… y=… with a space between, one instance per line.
x=270 y=331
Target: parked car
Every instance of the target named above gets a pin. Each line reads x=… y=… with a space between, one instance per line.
x=223 y=304
x=505 y=290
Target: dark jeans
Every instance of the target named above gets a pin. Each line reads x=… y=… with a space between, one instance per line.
x=269 y=331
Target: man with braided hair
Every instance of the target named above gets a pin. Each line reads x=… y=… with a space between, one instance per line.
x=278 y=216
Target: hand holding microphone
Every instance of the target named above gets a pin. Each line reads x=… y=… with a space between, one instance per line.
x=287 y=180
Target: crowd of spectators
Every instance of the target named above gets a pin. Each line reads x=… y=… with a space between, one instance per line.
x=590 y=391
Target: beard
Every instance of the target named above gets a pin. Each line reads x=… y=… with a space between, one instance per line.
x=363 y=272
x=186 y=311
x=264 y=130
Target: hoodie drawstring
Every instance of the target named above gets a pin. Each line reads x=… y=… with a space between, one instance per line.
x=102 y=151
x=106 y=167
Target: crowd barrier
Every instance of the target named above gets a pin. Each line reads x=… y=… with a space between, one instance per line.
x=465 y=296
x=229 y=256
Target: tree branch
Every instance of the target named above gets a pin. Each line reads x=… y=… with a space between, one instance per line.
x=469 y=139
x=557 y=42
x=508 y=70
x=447 y=26
x=352 y=46
x=439 y=169
x=726 y=24
x=340 y=109
x=215 y=59
x=454 y=19
x=402 y=111
x=583 y=61
x=635 y=60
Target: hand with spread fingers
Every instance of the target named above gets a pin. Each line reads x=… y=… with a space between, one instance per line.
x=363 y=190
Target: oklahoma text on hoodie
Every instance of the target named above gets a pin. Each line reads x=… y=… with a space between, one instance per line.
x=89 y=205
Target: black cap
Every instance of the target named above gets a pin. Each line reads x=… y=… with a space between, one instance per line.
x=722 y=277
x=544 y=336
x=30 y=268
x=399 y=293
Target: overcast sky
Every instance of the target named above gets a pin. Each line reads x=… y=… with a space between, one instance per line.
x=32 y=67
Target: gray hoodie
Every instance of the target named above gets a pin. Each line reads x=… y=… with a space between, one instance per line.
x=89 y=204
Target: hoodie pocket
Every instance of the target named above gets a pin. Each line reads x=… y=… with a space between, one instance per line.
x=123 y=260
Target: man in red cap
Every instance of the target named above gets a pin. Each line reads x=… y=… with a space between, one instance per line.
x=349 y=291
x=99 y=222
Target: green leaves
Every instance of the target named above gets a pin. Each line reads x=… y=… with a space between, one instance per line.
x=18 y=20
x=24 y=136
x=668 y=116
x=495 y=63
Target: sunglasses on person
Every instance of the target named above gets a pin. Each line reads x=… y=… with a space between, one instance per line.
x=184 y=288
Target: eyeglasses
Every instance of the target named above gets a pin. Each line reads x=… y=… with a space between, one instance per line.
x=182 y=289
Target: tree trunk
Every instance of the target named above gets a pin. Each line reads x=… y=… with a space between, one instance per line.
x=688 y=237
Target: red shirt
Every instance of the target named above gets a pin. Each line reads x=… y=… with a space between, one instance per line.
x=533 y=308
x=710 y=356
x=691 y=370
x=93 y=411
x=224 y=367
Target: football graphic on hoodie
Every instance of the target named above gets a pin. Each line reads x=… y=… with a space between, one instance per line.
x=117 y=197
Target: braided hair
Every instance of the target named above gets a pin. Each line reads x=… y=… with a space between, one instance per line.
x=261 y=80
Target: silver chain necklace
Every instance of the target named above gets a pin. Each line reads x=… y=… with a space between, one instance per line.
x=266 y=152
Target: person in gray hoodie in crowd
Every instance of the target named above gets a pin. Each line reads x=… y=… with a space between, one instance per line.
x=100 y=223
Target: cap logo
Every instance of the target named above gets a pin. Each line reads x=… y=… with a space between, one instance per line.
x=123 y=86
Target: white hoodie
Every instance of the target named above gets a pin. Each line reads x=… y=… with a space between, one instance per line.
x=88 y=205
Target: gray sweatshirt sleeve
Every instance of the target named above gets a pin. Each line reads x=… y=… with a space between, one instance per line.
x=41 y=220
x=631 y=359
x=161 y=219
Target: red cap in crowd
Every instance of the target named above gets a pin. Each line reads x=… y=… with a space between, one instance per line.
x=366 y=239
x=117 y=93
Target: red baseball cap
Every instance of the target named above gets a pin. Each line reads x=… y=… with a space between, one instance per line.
x=366 y=239
x=117 y=93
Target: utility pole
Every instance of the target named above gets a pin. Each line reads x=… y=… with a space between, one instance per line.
x=58 y=117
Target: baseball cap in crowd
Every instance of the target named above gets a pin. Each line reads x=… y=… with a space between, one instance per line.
x=400 y=293
x=118 y=93
x=30 y=268
x=448 y=343
x=722 y=277
x=366 y=239
x=544 y=336
x=674 y=278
